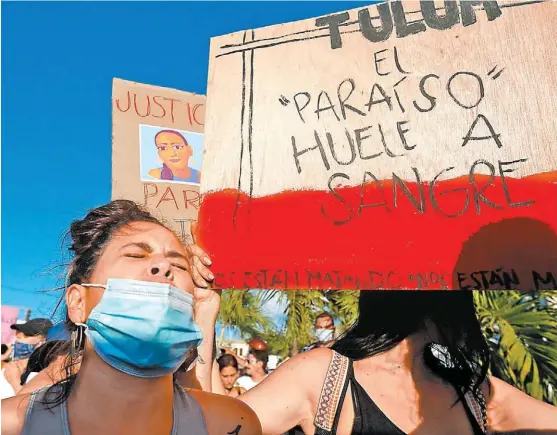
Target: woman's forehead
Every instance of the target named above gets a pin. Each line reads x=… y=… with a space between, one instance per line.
x=148 y=233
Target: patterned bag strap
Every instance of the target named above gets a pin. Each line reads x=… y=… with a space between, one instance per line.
x=477 y=405
x=332 y=395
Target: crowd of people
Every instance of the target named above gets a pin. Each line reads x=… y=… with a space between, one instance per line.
x=142 y=359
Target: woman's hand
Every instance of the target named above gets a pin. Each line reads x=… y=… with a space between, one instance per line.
x=207 y=301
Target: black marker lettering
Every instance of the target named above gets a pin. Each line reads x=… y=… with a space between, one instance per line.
x=434 y=21
x=318 y=146
x=340 y=198
x=372 y=33
x=333 y=21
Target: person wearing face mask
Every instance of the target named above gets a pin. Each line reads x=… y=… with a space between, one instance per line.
x=134 y=314
x=324 y=332
x=29 y=336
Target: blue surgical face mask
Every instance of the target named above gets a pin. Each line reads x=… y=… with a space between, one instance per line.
x=23 y=350
x=324 y=335
x=143 y=329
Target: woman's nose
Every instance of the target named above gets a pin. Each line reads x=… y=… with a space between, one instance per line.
x=161 y=268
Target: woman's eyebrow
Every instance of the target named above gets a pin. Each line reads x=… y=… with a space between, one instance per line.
x=141 y=245
x=148 y=248
x=175 y=254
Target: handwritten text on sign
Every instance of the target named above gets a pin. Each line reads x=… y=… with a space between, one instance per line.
x=410 y=139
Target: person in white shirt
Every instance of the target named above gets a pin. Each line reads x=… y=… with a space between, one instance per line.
x=256 y=369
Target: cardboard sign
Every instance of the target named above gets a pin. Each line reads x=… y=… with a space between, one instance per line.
x=406 y=145
x=157 y=148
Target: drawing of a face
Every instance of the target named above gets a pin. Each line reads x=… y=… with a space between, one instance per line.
x=173 y=150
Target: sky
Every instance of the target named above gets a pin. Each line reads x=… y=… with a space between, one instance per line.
x=58 y=62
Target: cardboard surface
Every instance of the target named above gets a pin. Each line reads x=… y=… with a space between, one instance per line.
x=404 y=145
x=157 y=148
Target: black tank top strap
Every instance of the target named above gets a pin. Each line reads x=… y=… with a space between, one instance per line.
x=333 y=394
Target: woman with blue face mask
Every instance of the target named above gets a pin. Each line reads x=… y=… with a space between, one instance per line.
x=135 y=315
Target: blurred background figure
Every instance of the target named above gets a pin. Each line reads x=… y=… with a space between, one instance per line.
x=256 y=344
x=256 y=369
x=324 y=332
x=229 y=374
x=6 y=354
x=29 y=336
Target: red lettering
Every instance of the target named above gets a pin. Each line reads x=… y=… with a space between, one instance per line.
x=168 y=192
x=146 y=191
x=172 y=100
x=148 y=110
x=197 y=106
x=194 y=201
x=189 y=113
x=117 y=101
x=160 y=105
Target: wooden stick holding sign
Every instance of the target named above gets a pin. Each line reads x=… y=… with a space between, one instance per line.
x=407 y=145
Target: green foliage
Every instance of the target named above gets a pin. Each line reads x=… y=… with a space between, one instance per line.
x=343 y=305
x=522 y=333
x=243 y=310
x=301 y=307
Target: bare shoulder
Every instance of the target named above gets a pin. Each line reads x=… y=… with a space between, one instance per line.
x=13 y=414
x=511 y=410
x=226 y=415
x=43 y=379
x=313 y=363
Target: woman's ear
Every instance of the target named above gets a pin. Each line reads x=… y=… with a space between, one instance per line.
x=75 y=301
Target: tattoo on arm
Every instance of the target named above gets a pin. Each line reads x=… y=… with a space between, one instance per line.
x=235 y=431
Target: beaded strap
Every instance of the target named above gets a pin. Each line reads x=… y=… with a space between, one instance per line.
x=332 y=394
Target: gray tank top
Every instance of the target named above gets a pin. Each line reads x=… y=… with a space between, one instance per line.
x=188 y=416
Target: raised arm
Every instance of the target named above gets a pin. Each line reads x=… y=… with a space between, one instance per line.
x=288 y=397
x=207 y=303
x=510 y=411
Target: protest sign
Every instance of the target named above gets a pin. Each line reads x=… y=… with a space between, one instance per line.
x=9 y=317
x=157 y=147
x=407 y=145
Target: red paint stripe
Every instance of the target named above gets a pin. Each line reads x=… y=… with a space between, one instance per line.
x=286 y=234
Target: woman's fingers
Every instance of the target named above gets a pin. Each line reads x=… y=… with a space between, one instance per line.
x=201 y=275
x=200 y=253
x=198 y=280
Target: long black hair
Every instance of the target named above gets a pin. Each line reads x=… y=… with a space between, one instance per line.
x=388 y=317
x=43 y=356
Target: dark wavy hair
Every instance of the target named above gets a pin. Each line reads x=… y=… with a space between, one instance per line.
x=88 y=239
x=227 y=361
x=388 y=317
x=44 y=355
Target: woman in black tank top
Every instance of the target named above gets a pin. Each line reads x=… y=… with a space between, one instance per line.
x=415 y=362
x=459 y=355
